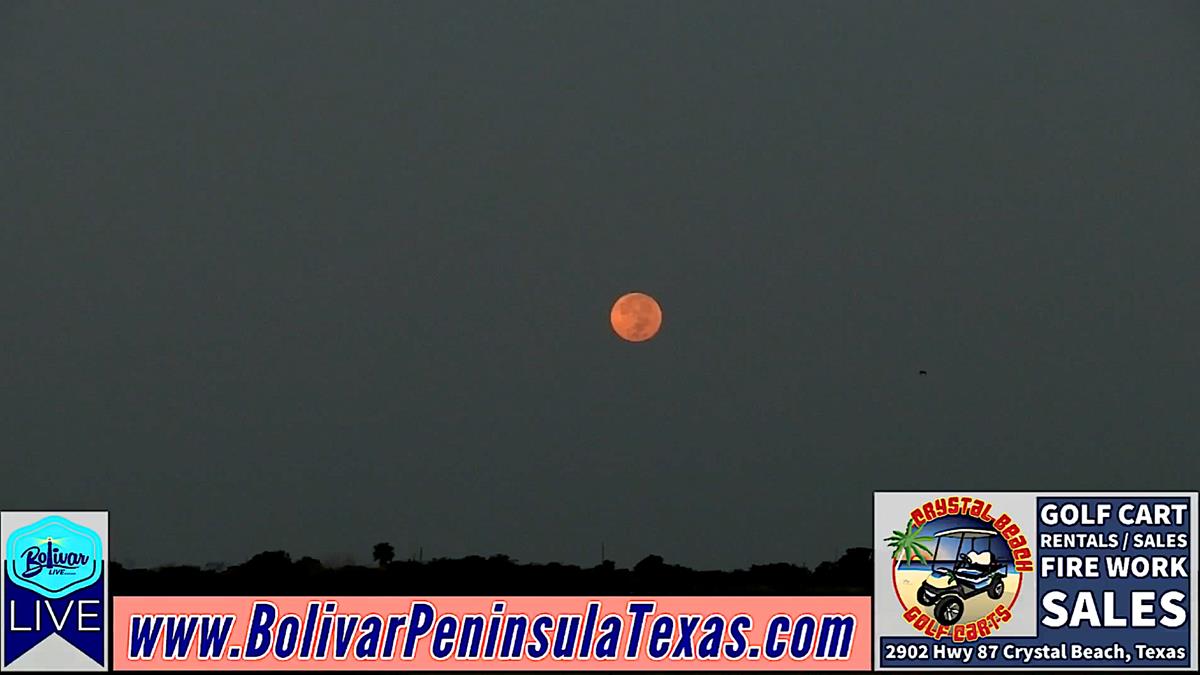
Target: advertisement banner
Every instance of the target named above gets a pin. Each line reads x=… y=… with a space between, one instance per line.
x=1044 y=581
x=486 y=633
x=54 y=599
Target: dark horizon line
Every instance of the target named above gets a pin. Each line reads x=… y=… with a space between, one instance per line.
x=219 y=565
x=275 y=573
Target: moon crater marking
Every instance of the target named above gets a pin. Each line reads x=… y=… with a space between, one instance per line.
x=636 y=317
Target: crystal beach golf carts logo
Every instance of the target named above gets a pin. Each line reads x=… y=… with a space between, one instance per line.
x=957 y=566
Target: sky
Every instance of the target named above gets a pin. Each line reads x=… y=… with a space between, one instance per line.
x=310 y=276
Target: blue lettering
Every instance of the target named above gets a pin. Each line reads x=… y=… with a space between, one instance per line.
x=258 y=641
x=660 y=636
x=806 y=630
x=737 y=628
x=639 y=610
x=541 y=642
x=775 y=648
x=289 y=636
x=443 y=639
x=422 y=622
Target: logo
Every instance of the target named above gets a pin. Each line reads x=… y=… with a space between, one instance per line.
x=54 y=557
x=957 y=567
x=54 y=602
x=1036 y=580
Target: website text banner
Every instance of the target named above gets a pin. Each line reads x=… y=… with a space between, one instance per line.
x=1042 y=581
x=490 y=633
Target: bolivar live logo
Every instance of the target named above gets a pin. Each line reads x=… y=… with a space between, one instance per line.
x=55 y=596
x=957 y=567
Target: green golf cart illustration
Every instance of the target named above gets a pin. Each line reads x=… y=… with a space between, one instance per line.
x=975 y=571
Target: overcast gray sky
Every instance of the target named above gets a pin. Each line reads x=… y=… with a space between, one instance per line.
x=314 y=275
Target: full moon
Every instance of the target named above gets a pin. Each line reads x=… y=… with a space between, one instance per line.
x=636 y=317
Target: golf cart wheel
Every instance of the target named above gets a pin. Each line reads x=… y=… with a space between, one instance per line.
x=925 y=597
x=996 y=589
x=949 y=610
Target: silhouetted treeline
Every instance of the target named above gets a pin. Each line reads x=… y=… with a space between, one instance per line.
x=275 y=573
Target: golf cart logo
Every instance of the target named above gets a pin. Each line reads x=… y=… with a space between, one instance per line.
x=53 y=557
x=956 y=568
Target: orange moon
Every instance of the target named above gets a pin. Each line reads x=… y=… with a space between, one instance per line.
x=636 y=317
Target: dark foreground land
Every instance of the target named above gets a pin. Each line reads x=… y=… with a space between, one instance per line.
x=275 y=573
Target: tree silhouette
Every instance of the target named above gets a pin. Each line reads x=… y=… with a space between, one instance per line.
x=649 y=564
x=275 y=573
x=383 y=553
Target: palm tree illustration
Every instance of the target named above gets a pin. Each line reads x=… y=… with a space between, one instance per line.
x=910 y=544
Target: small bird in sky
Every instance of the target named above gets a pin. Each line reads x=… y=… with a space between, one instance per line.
x=922 y=372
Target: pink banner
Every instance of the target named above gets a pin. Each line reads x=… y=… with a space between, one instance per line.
x=486 y=633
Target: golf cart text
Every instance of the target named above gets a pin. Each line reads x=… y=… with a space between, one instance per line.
x=1127 y=514
x=968 y=632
